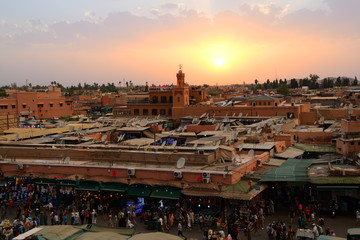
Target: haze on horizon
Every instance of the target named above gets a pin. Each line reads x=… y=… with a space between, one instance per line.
x=217 y=42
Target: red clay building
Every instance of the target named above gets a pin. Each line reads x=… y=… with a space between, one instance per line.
x=40 y=105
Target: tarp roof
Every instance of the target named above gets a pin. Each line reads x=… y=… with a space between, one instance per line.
x=291 y=152
x=292 y=170
x=336 y=180
x=71 y=232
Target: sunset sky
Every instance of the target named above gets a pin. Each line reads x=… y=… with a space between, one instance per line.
x=216 y=41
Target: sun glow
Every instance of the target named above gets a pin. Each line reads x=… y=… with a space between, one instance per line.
x=219 y=62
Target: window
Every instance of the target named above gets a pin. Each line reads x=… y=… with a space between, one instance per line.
x=24 y=106
x=163 y=99
x=155 y=99
x=178 y=99
x=136 y=111
x=3 y=106
x=268 y=103
x=51 y=105
x=170 y=112
x=40 y=105
x=154 y=112
x=199 y=93
x=145 y=111
x=170 y=99
x=259 y=103
x=13 y=106
x=60 y=104
x=162 y=112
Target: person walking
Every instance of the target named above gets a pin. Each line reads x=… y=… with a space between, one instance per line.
x=179 y=228
x=93 y=216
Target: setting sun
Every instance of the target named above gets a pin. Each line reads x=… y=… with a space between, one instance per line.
x=219 y=62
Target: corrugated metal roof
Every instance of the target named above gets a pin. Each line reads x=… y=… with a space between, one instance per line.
x=262 y=98
x=266 y=145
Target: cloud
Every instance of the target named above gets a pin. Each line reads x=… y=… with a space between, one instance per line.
x=89 y=14
x=34 y=22
x=171 y=6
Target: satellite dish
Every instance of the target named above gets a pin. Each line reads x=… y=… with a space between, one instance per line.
x=180 y=163
x=16 y=137
x=163 y=143
x=103 y=138
x=67 y=160
x=71 y=128
x=251 y=153
x=240 y=114
x=2 y=158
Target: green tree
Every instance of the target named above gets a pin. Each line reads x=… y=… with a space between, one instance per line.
x=355 y=82
x=338 y=82
x=3 y=93
x=283 y=89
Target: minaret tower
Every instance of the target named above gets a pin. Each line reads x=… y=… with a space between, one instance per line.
x=180 y=95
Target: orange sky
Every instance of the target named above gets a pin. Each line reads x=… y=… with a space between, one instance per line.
x=234 y=46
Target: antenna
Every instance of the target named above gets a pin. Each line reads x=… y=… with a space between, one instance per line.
x=174 y=143
x=251 y=153
x=180 y=163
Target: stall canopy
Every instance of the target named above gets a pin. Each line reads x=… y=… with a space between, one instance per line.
x=87 y=185
x=139 y=190
x=292 y=170
x=66 y=182
x=45 y=181
x=155 y=236
x=166 y=192
x=114 y=187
